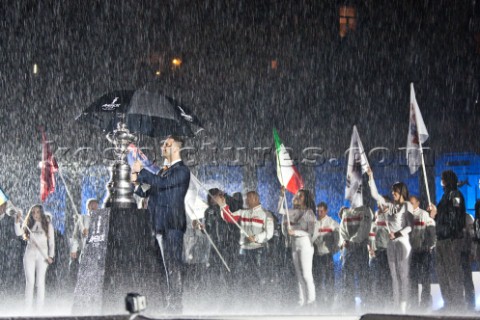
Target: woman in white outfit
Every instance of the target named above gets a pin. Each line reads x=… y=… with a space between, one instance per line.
x=37 y=230
x=300 y=232
x=399 y=221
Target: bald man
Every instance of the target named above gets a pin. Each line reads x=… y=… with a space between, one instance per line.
x=258 y=225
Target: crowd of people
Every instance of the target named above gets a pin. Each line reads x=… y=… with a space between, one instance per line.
x=385 y=255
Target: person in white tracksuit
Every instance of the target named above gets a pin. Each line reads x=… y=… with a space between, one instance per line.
x=37 y=230
x=300 y=234
x=399 y=221
x=326 y=240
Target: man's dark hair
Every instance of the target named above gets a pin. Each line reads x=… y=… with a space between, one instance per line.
x=415 y=197
x=450 y=179
x=177 y=139
x=322 y=205
x=212 y=193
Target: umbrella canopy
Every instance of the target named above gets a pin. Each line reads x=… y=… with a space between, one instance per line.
x=146 y=112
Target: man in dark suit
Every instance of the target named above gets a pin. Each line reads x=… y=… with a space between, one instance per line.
x=166 y=206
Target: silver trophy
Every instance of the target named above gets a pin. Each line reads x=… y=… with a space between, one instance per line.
x=120 y=189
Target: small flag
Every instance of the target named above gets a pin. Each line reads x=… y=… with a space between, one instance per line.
x=417 y=134
x=357 y=166
x=3 y=197
x=49 y=167
x=287 y=173
x=135 y=153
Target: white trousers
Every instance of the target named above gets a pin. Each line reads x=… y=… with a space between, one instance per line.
x=302 y=255
x=398 y=254
x=35 y=269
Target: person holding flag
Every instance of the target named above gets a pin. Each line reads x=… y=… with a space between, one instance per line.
x=258 y=225
x=299 y=227
x=399 y=216
x=298 y=224
x=355 y=226
x=37 y=230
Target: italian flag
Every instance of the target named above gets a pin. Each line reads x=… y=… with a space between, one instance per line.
x=287 y=173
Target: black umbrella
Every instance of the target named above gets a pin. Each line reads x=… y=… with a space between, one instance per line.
x=146 y=112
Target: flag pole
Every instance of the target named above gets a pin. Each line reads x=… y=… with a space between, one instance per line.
x=283 y=185
x=424 y=172
x=208 y=236
x=215 y=248
x=213 y=244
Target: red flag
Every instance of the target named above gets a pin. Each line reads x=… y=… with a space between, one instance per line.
x=49 y=167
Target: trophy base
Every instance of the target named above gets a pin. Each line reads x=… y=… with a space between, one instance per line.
x=121 y=256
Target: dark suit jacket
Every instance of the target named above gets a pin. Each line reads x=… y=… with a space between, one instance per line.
x=166 y=196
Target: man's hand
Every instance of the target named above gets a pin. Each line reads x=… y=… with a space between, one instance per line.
x=85 y=232
x=73 y=255
x=49 y=260
x=345 y=244
x=198 y=225
x=433 y=210
x=392 y=235
x=251 y=239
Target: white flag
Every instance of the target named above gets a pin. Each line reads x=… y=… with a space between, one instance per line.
x=195 y=199
x=417 y=134
x=357 y=166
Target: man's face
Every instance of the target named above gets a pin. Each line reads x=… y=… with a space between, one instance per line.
x=322 y=212
x=93 y=206
x=252 y=200
x=167 y=148
x=415 y=203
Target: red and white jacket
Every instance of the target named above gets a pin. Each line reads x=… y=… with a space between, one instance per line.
x=423 y=236
x=256 y=222
x=380 y=233
x=326 y=236
x=355 y=225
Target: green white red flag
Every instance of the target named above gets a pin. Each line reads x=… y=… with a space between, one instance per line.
x=287 y=173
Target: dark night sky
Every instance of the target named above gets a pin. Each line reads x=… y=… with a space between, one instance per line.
x=324 y=84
